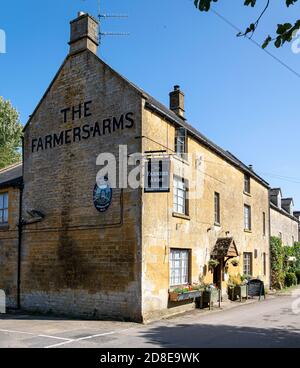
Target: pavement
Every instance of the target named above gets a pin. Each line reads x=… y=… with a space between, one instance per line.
x=274 y=322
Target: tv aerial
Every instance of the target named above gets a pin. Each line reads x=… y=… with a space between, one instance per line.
x=104 y=16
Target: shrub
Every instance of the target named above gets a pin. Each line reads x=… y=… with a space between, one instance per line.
x=290 y=279
x=234 y=280
x=297 y=254
x=277 y=259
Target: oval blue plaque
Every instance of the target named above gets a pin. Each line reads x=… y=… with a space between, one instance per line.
x=102 y=195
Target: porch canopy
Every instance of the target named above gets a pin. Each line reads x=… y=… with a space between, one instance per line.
x=225 y=248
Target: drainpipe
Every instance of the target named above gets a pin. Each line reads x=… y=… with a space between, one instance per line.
x=20 y=228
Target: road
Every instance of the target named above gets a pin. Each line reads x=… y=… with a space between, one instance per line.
x=270 y=323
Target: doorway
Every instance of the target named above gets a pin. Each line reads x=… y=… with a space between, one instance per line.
x=217 y=276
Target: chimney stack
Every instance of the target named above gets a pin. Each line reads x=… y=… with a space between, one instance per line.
x=84 y=34
x=177 y=102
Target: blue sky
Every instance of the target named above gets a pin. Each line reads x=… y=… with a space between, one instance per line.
x=236 y=94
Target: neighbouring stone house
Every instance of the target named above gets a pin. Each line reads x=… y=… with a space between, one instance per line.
x=71 y=246
x=284 y=221
x=10 y=190
x=297 y=215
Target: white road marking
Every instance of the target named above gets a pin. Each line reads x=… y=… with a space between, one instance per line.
x=33 y=334
x=61 y=343
x=56 y=337
x=87 y=337
x=103 y=334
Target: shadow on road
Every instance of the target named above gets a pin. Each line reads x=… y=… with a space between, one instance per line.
x=222 y=336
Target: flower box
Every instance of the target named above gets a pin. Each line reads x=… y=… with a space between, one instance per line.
x=178 y=297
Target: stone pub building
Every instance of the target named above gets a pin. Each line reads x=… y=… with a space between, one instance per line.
x=69 y=246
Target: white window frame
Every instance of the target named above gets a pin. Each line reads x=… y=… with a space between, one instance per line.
x=179 y=267
x=247 y=218
x=264 y=261
x=217 y=203
x=247 y=183
x=181 y=142
x=247 y=263
x=180 y=195
x=4 y=208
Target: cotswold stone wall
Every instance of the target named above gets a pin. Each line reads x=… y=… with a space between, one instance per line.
x=77 y=260
x=284 y=225
x=9 y=248
x=162 y=230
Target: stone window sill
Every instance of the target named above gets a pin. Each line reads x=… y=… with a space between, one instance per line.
x=247 y=194
x=181 y=215
x=248 y=231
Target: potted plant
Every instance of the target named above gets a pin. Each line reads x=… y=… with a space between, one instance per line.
x=213 y=263
x=237 y=287
x=235 y=262
x=185 y=293
x=211 y=295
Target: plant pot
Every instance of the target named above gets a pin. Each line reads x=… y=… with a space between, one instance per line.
x=238 y=292
x=178 y=297
x=231 y=294
x=210 y=297
x=243 y=291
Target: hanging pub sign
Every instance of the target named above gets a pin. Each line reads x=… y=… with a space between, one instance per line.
x=157 y=175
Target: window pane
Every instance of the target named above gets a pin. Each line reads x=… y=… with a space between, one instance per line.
x=1 y=201
x=179 y=267
x=180 y=201
x=5 y=200
x=179 y=195
x=217 y=208
x=247 y=183
x=247 y=269
x=5 y=216
x=180 y=141
x=264 y=264
x=247 y=218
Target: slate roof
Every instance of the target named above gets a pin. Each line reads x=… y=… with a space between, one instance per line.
x=283 y=212
x=11 y=176
x=154 y=105
x=287 y=201
x=275 y=191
